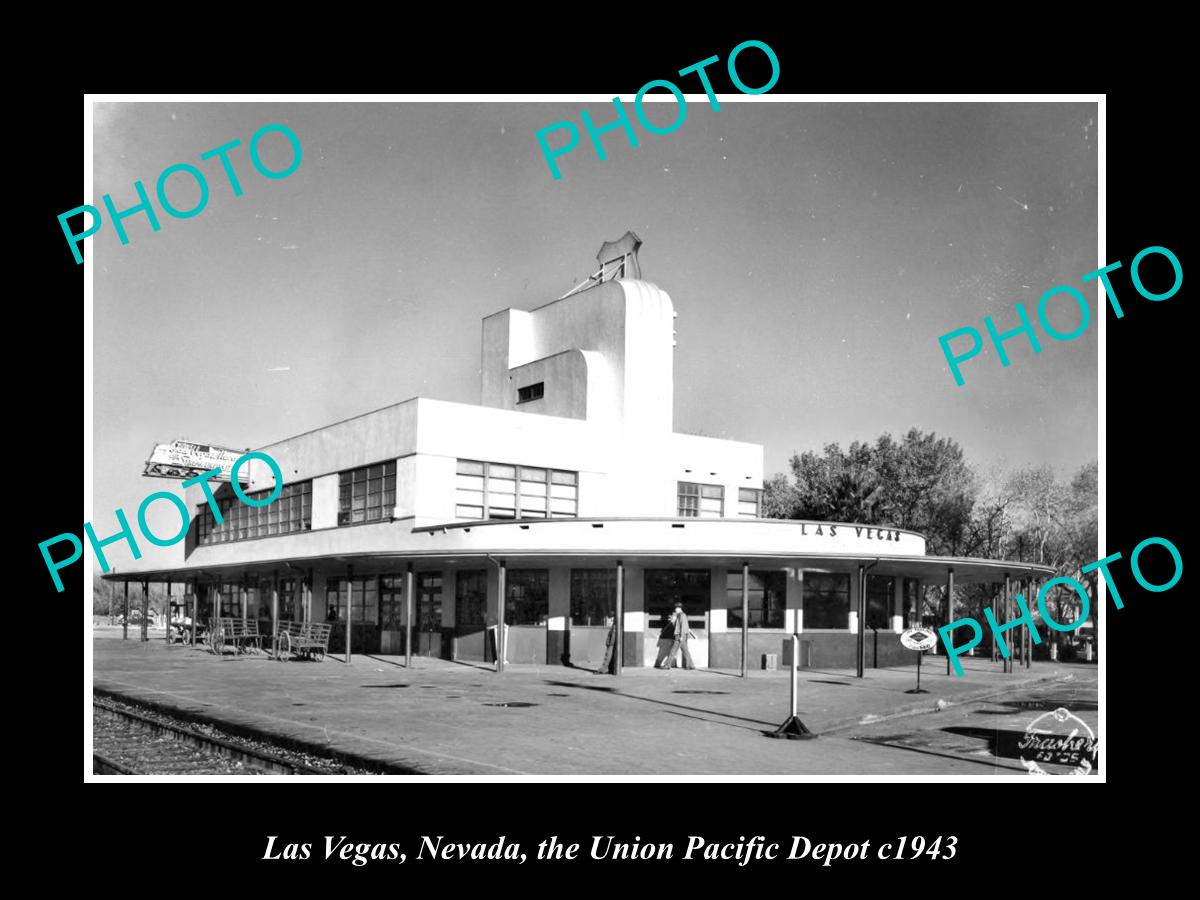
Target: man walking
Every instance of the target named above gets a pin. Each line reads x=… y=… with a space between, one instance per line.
x=682 y=633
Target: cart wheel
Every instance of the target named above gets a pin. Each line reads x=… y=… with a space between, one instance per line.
x=216 y=641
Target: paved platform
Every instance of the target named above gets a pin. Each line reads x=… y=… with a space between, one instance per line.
x=442 y=717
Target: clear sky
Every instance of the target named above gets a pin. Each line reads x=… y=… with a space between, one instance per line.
x=814 y=253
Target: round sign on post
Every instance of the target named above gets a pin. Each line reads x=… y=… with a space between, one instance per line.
x=919 y=639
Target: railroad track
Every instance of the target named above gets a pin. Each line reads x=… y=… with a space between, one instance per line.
x=128 y=742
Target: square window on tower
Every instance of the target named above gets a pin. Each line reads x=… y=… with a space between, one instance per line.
x=531 y=392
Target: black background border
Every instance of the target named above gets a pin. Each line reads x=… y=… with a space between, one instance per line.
x=1146 y=691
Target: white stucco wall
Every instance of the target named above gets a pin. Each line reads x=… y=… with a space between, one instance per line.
x=606 y=356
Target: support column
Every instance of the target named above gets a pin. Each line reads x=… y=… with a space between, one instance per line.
x=125 y=618
x=745 y=615
x=860 y=638
x=1024 y=631
x=378 y=608
x=195 y=607
x=993 y=641
x=167 y=617
x=949 y=607
x=245 y=592
x=409 y=584
x=145 y=611
x=1035 y=586
x=349 y=607
x=500 y=648
x=898 y=612
x=308 y=584
x=274 y=603
x=619 y=648
x=1008 y=586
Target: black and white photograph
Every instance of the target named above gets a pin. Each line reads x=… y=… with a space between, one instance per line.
x=733 y=435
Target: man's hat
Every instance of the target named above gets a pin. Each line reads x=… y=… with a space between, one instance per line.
x=679 y=604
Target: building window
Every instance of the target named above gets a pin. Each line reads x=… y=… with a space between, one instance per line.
x=470 y=601
x=665 y=587
x=527 y=596
x=355 y=600
x=391 y=602
x=766 y=592
x=593 y=595
x=290 y=512
x=367 y=494
x=258 y=605
x=487 y=490
x=231 y=601
x=532 y=392
x=428 y=611
x=912 y=602
x=881 y=595
x=289 y=596
x=706 y=501
x=750 y=503
x=826 y=600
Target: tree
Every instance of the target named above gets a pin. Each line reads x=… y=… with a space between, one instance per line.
x=102 y=597
x=921 y=482
x=779 y=497
x=1055 y=524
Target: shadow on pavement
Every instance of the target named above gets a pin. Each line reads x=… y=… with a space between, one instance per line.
x=990 y=763
x=614 y=692
x=390 y=662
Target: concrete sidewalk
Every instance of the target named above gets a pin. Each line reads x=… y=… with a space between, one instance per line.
x=443 y=717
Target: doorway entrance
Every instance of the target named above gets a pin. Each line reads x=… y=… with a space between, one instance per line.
x=593 y=605
x=470 y=614
x=690 y=587
x=428 y=637
x=352 y=607
x=881 y=594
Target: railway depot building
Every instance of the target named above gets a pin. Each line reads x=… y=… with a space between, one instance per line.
x=562 y=497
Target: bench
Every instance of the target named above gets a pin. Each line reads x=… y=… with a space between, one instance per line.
x=302 y=639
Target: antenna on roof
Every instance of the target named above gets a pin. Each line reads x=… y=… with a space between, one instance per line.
x=618 y=259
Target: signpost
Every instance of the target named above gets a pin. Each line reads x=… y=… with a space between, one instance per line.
x=919 y=639
x=184 y=460
x=792 y=728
